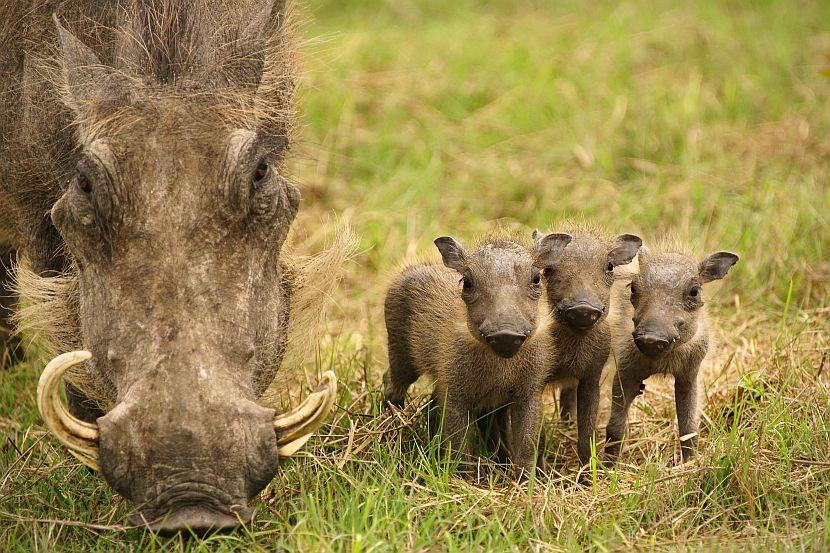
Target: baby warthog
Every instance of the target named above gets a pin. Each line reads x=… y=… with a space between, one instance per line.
x=578 y=291
x=475 y=327
x=663 y=330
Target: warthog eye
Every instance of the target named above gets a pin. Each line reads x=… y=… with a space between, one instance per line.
x=261 y=172
x=537 y=279
x=467 y=283
x=84 y=183
x=693 y=298
x=610 y=267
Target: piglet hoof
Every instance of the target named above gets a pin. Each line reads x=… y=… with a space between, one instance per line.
x=688 y=445
x=613 y=447
x=522 y=475
x=609 y=461
x=583 y=478
x=687 y=455
x=543 y=474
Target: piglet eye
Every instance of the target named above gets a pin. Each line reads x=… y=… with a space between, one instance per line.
x=537 y=279
x=467 y=283
x=261 y=172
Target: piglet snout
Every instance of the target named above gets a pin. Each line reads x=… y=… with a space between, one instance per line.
x=652 y=344
x=506 y=343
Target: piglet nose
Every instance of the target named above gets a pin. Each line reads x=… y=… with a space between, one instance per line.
x=506 y=343
x=651 y=344
x=582 y=316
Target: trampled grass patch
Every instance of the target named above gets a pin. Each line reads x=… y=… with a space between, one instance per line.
x=707 y=120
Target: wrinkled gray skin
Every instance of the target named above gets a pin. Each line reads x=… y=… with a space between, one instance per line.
x=472 y=326
x=174 y=217
x=664 y=330
x=578 y=288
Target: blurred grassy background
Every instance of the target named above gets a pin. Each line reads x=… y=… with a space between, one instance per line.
x=704 y=119
x=708 y=120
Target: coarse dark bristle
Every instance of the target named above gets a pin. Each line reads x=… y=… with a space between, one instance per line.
x=206 y=53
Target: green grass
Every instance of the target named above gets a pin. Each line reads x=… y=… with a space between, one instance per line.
x=709 y=120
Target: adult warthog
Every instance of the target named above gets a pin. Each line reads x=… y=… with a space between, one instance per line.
x=141 y=143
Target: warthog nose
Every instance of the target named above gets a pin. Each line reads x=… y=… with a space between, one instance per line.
x=652 y=345
x=198 y=466
x=506 y=343
x=582 y=316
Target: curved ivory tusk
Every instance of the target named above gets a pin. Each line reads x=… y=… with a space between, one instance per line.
x=290 y=448
x=295 y=427
x=81 y=438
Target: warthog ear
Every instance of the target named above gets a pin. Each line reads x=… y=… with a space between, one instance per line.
x=548 y=248
x=624 y=248
x=716 y=266
x=86 y=81
x=243 y=63
x=453 y=253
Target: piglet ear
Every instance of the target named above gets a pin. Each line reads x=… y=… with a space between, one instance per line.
x=716 y=266
x=624 y=248
x=453 y=253
x=548 y=248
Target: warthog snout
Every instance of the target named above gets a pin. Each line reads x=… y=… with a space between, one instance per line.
x=582 y=315
x=506 y=343
x=196 y=467
x=653 y=344
x=654 y=335
x=189 y=459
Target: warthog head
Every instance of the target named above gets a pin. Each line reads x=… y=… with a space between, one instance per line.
x=667 y=297
x=175 y=216
x=579 y=281
x=501 y=283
